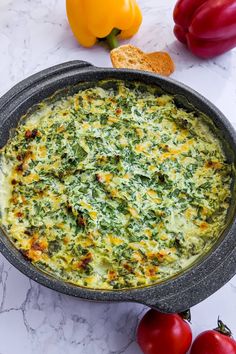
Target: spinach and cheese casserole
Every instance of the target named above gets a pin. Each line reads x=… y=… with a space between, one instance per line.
x=114 y=186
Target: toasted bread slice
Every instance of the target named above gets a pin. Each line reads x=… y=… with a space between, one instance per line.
x=162 y=63
x=130 y=57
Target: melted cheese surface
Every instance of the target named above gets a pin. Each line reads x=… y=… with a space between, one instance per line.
x=113 y=187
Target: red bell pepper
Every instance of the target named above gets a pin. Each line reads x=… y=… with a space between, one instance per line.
x=207 y=27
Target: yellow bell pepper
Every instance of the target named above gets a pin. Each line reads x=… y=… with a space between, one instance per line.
x=92 y=20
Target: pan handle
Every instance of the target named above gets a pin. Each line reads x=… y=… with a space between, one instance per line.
x=35 y=79
x=67 y=66
x=174 y=300
x=167 y=306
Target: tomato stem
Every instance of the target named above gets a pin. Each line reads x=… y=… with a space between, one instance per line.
x=186 y=315
x=223 y=329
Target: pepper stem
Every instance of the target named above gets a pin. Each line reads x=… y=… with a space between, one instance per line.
x=223 y=329
x=112 y=39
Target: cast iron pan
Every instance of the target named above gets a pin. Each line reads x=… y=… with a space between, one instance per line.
x=180 y=292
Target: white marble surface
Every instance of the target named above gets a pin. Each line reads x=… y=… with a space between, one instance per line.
x=34 y=34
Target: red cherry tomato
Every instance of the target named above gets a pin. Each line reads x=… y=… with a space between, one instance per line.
x=160 y=333
x=217 y=341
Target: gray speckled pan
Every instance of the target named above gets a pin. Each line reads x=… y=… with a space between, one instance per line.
x=183 y=291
